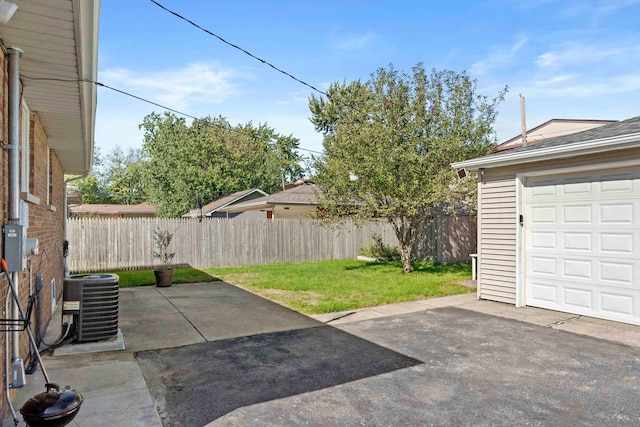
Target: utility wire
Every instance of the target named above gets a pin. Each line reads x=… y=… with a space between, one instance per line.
x=265 y=62
x=108 y=87
x=231 y=129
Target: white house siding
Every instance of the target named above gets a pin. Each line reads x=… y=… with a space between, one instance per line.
x=497 y=218
x=497 y=237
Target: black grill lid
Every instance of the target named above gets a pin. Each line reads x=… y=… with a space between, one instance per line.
x=51 y=404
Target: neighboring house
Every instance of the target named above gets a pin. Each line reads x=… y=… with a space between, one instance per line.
x=213 y=209
x=48 y=59
x=74 y=196
x=298 y=200
x=553 y=129
x=559 y=223
x=141 y=210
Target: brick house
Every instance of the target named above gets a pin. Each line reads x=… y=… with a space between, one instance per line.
x=48 y=49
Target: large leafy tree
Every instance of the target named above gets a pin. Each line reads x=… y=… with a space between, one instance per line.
x=389 y=143
x=209 y=158
x=115 y=178
x=123 y=176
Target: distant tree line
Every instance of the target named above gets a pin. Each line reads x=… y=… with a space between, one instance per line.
x=181 y=162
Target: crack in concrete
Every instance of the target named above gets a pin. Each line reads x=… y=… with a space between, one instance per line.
x=560 y=322
x=340 y=317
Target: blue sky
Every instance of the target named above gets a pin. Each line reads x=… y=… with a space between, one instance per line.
x=570 y=59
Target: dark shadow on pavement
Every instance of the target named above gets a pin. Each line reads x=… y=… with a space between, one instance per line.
x=199 y=383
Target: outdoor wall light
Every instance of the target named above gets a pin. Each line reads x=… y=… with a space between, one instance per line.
x=7 y=9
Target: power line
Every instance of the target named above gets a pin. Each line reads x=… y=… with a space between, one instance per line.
x=346 y=104
x=231 y=129
x=239 y=48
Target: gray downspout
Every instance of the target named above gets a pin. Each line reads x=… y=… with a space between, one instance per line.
x=14 y=170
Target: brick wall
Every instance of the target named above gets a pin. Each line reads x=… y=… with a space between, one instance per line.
x=46 y=223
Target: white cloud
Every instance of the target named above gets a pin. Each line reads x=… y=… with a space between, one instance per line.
x=598 y=10
x=501 y=56
x=578 y=86
x=575 y=54
x=356 y=42
x=201 y=82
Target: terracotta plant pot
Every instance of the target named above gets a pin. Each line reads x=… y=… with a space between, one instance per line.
x=164 y=278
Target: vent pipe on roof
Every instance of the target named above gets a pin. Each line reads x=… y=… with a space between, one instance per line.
x=14 y=170
x=523 y=119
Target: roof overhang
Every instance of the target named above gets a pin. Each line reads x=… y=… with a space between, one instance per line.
x=521 y=156
x=59 y=39
x=262 y=205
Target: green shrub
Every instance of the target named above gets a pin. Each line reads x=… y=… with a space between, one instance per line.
x=379 y=250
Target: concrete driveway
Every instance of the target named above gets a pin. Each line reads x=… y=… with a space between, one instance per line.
x=213 y=353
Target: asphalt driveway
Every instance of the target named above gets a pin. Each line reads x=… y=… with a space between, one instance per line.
x=214 y=353
x=444 y=366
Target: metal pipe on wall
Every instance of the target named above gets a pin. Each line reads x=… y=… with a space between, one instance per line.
x=14 y=168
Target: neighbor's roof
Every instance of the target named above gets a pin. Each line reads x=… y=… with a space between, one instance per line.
x=222 y=202
x=303 y=194
x=102 y=209
x=60 y=41
x=552 y=129
x=615 y=136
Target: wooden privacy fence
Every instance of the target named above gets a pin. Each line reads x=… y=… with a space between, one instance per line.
x=127 y=243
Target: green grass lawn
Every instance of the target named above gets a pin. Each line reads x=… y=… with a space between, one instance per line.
x=328 y=286
x=132 y=278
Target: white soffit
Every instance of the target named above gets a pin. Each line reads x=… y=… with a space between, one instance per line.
x=60 y=41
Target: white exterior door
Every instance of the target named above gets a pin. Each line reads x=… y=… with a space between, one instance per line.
x=582 y=243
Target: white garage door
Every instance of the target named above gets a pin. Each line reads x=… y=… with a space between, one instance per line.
x=582 y=243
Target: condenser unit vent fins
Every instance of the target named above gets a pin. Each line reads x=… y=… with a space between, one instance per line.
x=97 y=317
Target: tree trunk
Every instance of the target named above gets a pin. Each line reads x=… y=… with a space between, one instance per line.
x=405 y=256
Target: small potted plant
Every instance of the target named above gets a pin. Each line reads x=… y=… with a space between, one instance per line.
x=162 y=240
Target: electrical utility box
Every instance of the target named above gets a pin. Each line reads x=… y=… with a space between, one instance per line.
x=13 y=246
x=17 y=247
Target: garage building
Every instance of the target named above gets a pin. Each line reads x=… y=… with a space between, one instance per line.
x=559 y=223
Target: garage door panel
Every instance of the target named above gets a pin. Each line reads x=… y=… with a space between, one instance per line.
x=577 y=269
x=543 y=240
x=618 y=213
x=543 y=215
x=544 y=293
x=617 y=182
x=576 y=186
x=577 y=214
x=616 y=243
x=617 y=304
x=544 y=266
x=582 y=244
x=617 y=272
x=582 y=298
x=577 y=241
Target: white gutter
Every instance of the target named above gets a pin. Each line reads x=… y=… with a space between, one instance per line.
x=86 y=23
x=555 y=152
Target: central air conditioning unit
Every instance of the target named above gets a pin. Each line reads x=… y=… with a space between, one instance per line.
x=90 y=306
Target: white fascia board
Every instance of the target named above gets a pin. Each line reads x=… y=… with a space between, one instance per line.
x=244 y=206
x=548 y=153
x=222 y=207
